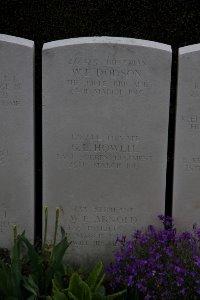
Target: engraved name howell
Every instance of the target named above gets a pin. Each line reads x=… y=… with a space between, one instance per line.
x=105 y=122
x=91 y=150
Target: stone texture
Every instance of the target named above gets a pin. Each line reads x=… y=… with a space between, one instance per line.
x=16 y=138
x=105 y=122
x=186 y=194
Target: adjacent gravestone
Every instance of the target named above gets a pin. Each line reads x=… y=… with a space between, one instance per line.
x=186 y=195
x=16 y=137
x=105 y=123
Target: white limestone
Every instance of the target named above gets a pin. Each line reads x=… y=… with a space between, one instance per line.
x=105 y=123
x=16 y=138
x=186 y=195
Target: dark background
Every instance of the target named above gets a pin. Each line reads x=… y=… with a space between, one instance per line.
x=172 y=22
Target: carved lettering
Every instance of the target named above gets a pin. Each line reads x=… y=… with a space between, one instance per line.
x=117 y=77
x=109 y=152
x=98 y=225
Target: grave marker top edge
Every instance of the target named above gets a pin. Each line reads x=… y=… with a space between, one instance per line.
x=189 y=49
x=16 y=40
x=107 y=40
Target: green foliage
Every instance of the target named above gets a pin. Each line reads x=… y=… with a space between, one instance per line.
x=46 y=263
x=30 y=273
x=79 y=289
x=11 y=274
x=43 y=266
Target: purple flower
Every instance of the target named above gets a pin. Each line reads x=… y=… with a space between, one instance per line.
x=159 y=262
x=152 y=249
x=161 y=217
x=179 y=281
x=183 y=291
x=141 y=286
x=168 y=251
x=143 y=239
x=185 y=236
x=198 y=232
x=167 y=221
x=130 y=280
x=197 y=261
x=118 y=256
x=152 y=230
x=130 y=245
x=137 y=234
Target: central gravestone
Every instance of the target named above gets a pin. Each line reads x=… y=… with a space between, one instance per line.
x=105 y=122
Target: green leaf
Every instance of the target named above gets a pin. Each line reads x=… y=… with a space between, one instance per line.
x=98 y=297
x=59 y=296
x=5 y=284
x=100 y=284
x=59 y=251
x=116 y=295
x=79 y=288
x=94 y=276
x=100 y=291
x=15 y=270
x=71 y=296
x=34 y=257
x=55 y=263
x=32 y=297
x=58 y=282
x=63 y=234
x=10 y=283
x=30 y=285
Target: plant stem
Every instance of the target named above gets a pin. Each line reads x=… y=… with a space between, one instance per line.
x=56 y=226
x=45 y=225
x=15 y=233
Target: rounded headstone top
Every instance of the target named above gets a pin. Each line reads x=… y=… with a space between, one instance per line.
x=16 y=40
x=189 y=49
x=106 y=40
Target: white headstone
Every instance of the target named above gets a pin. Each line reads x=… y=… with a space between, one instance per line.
x=186 y=195
x=105 y=123
x=16 y=138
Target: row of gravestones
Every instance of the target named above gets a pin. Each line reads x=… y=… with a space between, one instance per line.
x=105 y=126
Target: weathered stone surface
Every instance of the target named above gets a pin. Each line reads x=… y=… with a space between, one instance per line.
x=186 y=195
x=16 y=137
x=105 y=122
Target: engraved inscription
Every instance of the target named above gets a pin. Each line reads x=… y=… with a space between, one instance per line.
x=104 y=152
x=6 y=155
x=99 y=225
x=10 y=89
x=191 y=164
x=111 y=76
x=3 y=156
x=195 y=92
x=192 y=121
